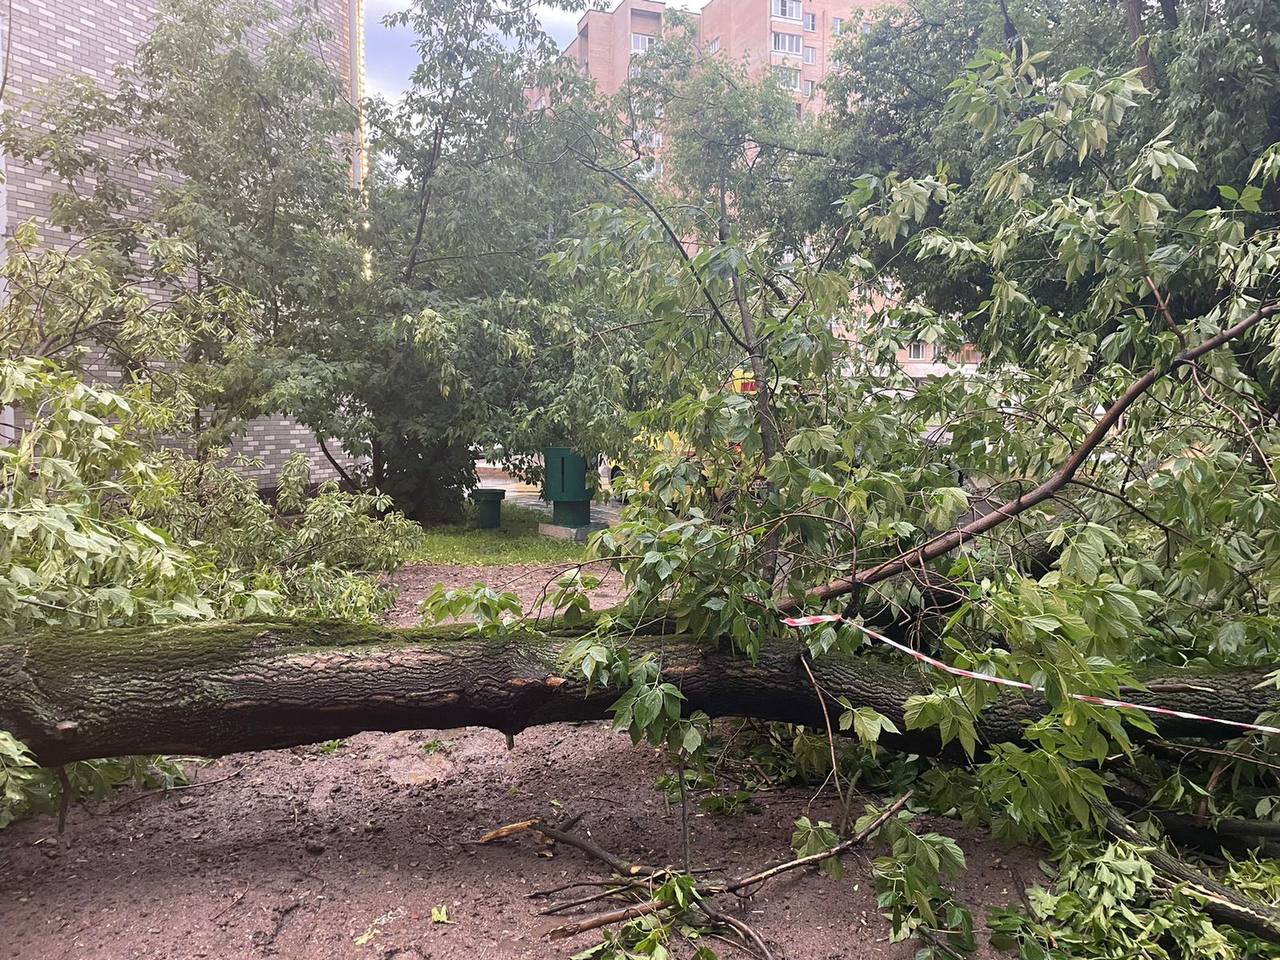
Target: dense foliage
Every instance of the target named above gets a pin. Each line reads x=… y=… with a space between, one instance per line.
x=1093 y=206
x=1102 y=244
x=103 y=524
x=404 y=318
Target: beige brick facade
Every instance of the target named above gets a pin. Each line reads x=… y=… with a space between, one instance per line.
x=52 y=40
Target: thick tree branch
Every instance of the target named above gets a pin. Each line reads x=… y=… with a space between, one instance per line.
x=944 y=543
x=333 y=462
x=1219 y=901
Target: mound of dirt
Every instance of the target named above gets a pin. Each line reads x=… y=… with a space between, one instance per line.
x=317 y=856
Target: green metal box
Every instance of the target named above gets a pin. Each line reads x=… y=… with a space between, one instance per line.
x=571 y=513
x=566 y=475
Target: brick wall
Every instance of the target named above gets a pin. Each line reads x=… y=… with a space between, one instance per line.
x=740 y=30
x=55 y=39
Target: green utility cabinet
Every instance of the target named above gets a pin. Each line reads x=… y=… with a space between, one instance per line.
x=565 y=487
x=488 y=508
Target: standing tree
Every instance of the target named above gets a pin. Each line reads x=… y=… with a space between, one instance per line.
x=243 y=143
x=460 y=339
x=402 y=316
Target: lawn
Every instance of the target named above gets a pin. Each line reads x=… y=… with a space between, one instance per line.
x=517 y=541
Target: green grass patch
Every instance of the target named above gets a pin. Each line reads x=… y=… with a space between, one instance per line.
x=518 y=541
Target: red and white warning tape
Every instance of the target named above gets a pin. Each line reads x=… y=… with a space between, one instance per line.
x=813 y=621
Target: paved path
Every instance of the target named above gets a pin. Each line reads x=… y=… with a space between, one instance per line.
x=527 y=495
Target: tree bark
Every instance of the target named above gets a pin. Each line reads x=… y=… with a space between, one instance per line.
x=1137 y=37
x=213 y=689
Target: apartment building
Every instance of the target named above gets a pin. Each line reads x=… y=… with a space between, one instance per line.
x=792 y=38
x=795 y=39
x=920 y=360
x=49 y=40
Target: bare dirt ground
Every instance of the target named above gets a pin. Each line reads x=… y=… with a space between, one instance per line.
x=529 y=583
x=320 y=855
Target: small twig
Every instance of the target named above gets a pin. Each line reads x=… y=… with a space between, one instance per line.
x=831 y=739
x=738 y=944
x=179 y=786
x=684 y=817
x=64 y=801
x=234 y=903
x=615 y=863
x=813 y=858
x=623 y=914
x=744 y=930
x=1221 y=767
x=567 y=930
x=569 y=886
x=1192 y=748
x=614 y=890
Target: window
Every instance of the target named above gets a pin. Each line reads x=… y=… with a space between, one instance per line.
x=714 y=46
x=808 y=88
x=648 y=139
x=642 y=107
x=799 y=109
x=786 y=43
x=788 y=77
x=641 y=42
x=810 y=54
x=811 y=22
x=787 y=9
x=916 y=350
x=837 y=26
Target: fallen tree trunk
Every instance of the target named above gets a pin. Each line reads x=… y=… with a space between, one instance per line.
x=213 y=689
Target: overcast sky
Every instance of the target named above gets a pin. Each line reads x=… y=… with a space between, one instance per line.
x=389 y=55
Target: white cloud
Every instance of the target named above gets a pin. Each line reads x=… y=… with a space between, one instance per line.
x=377 y=9
x=560 y=24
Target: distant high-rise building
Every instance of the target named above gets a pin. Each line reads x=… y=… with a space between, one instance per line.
x=793 y=38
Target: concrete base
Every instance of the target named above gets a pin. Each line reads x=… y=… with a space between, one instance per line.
x=577 y=534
